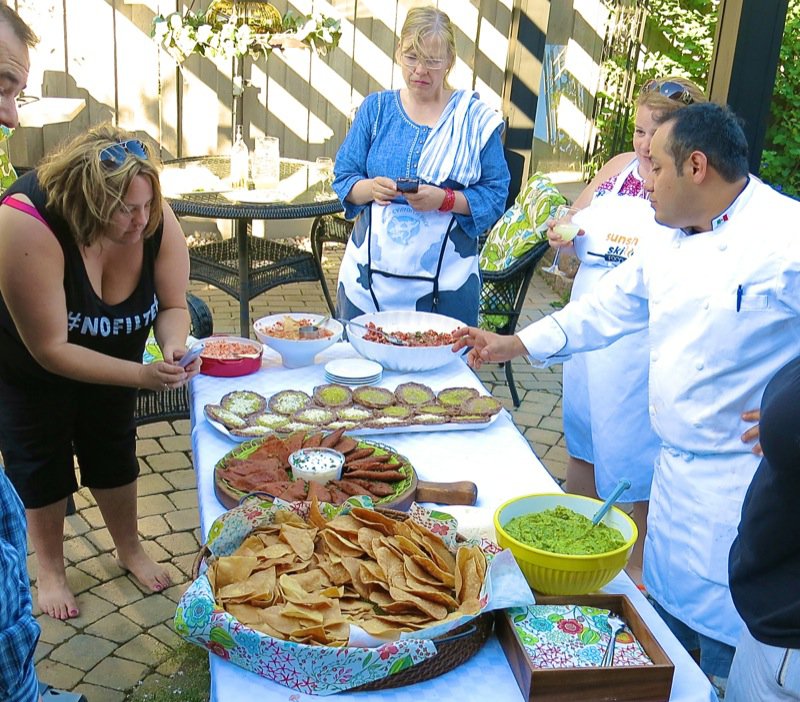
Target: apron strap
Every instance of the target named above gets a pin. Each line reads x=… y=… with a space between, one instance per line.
x=434 y=279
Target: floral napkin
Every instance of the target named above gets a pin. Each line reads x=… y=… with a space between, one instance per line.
x=572 y=636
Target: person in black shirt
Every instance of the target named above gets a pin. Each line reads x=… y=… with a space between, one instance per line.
x=91 y=257
x=764 y=562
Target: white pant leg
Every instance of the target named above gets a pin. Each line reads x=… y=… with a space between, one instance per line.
x=762 y=673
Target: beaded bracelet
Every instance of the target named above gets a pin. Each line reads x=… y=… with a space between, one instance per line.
x=449 y=200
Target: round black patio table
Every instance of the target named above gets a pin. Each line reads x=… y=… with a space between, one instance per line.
x=244 y=266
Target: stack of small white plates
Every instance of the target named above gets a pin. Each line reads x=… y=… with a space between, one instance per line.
x=353 y=371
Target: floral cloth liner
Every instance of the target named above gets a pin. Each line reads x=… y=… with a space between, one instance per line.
x=324 y=670
x=572 y=636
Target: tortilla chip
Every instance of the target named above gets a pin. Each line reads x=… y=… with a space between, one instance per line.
x=468 y=581
x=433 y=569
x=391 y=564
x=415 y=571
x=339 y=545
x=366 y=536
x=233 y=569
x=258 y=589
x=409 y=547
x=336 y=572
x=315 y=517
x=284 y=516
x=346 y=525
x=434 y=545
x=434 y=610
x=300 y=539
x=376 y=520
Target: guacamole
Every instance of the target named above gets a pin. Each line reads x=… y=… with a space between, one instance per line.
x=560 y=530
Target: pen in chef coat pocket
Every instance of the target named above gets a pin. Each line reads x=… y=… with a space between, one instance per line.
x=739 y=293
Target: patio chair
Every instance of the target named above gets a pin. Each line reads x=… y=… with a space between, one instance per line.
x=502 y=296
x=172 y=404
x=328 y=229
x=508 y=257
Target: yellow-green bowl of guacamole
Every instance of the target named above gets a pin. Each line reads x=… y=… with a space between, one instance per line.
x=554 y=528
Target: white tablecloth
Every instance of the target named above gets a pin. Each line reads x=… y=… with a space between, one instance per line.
x=497 y=458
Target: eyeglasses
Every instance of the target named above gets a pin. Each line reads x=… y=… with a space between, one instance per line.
x=669 y=89
x=116 y=154
x=412 y=61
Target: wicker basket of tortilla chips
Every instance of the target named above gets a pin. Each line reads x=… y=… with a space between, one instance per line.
x=283 y=589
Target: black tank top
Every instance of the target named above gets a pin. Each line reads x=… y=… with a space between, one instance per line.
x=119 y=330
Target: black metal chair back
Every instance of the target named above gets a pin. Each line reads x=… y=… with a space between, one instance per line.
x=174 y=403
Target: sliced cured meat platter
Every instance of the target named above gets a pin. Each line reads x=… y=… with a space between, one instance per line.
x=371 y=468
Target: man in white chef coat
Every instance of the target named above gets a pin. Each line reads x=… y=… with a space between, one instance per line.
x=720 y=295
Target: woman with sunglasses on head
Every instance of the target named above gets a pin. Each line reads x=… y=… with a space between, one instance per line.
x=91 y=258
x=605 y=403
x=423 y=174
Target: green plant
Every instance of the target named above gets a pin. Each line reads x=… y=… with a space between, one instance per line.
x=188 y=681
x=678 y=40
x=782 y=141
x=228 y=37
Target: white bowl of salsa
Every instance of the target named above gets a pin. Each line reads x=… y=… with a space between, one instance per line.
x=280 y=333
x=428 y=335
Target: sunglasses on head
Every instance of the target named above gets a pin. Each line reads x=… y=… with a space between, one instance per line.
x=116 y=154
x=669 y=89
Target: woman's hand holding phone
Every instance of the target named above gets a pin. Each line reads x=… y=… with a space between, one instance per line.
x=191 y=354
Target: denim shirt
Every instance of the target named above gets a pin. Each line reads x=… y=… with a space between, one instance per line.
x=384 y=141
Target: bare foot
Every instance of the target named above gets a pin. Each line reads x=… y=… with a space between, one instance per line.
x=55 y=598
x=150 y=574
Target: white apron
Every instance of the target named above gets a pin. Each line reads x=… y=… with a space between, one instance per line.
x=404 y=260
x=689 y=534
x=606 y=419
x=724 y=316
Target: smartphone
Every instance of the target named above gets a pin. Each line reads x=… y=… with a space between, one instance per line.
x=193 y=352
x=407 y=185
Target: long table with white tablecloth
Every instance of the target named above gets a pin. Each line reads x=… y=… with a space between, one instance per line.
x=497 y=458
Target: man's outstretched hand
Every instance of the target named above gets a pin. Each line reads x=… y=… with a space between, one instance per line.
x=487 y=347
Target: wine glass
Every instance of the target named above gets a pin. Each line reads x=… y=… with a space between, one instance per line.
x=567 y=230
x=324 y=166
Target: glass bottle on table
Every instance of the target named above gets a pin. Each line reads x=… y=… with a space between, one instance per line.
x=240 y=157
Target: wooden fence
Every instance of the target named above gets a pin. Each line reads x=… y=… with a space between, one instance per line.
x=101 y=51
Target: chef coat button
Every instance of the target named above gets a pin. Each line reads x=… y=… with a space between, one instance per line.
x=688 y=456
x=676 y=244
x=722 y=246
x=706 y=305
x=699 y=365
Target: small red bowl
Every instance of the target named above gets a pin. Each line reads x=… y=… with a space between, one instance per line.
x=230 y=356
